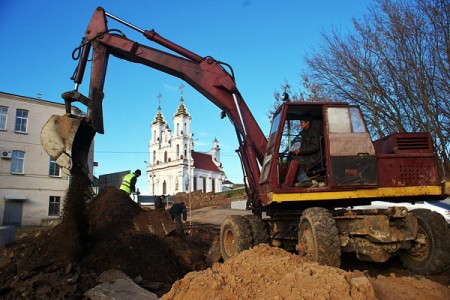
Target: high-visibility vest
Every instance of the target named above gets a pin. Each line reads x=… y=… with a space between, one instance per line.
x=125 y=186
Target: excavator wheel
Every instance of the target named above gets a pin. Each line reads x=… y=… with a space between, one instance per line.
x=429 y=253
x=318 y=238
x=235 y=236
x=260 y=234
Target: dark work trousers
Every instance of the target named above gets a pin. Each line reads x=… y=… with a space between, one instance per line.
x=301 y=174
x=178 y=222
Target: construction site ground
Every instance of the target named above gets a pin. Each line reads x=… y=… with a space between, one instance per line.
x=112 y=237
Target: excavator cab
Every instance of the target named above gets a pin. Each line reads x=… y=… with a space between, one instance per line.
x=347 y=155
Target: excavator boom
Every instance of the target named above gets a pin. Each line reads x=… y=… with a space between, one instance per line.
x=205 y=74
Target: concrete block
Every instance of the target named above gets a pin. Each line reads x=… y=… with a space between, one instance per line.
x=241 y=204
x=120 y=289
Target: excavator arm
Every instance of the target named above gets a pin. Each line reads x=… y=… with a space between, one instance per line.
x=67 y=138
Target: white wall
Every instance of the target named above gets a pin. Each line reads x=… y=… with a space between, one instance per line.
x=34 y=185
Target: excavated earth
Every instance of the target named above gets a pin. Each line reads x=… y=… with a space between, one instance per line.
x=111 y=233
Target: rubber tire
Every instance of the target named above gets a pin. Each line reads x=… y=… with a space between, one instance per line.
x=235 y=236
x=436 y=259
x=318 y=237
x=258 y=228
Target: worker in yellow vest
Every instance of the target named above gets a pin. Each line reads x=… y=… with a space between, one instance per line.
x=129 y=182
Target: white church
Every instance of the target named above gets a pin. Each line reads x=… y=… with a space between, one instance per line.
x=174 y=166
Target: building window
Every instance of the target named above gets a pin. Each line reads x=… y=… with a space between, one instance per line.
x=21 y=121
x=185 y=150
x=53 y=168
x=3 y=117
x=53 y=205
x=213 y=183
x=178 y=151
x=154 y=156
x=17 y=159
x=178 y=129
x=165 y=156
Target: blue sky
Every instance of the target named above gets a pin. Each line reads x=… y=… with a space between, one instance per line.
x=264 y=41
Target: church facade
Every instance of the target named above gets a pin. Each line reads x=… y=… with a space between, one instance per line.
x=174 y=166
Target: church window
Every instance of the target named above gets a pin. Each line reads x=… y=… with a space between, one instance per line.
x=178 y=151
x=165 y=156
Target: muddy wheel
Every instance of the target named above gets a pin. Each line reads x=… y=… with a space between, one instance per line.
x=260 y=235
x=235 y=236
x=318 y=238
x=429 y=251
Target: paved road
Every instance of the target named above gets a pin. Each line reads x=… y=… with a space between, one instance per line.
x=214 y=215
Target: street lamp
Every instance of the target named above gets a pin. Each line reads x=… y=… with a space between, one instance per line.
x=152 y=175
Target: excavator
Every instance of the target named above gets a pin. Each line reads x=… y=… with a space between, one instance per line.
x=321 y=222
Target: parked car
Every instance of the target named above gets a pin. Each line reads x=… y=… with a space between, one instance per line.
x=440 y=207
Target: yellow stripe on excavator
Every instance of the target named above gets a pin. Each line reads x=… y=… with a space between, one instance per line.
x=355 y=194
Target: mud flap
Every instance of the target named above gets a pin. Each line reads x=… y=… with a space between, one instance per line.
x=67 y=139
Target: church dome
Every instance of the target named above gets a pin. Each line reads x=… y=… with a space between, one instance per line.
x=159 y=118
x=181 y=110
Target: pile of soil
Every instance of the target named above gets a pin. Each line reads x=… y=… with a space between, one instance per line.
x=109 y=232
x=198 y=199
x=265 y=272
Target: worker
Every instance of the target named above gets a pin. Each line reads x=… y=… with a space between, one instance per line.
x=159 y=203
x=129 y=182
x=306 y=151
x=176 y=211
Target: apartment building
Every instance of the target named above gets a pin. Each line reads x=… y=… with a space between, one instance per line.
x=32 y=186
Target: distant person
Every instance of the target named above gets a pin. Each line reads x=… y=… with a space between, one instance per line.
x=129 y=182
x=159 y=203
x=176 y=211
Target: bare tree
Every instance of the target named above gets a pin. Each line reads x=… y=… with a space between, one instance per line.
x=395 y=65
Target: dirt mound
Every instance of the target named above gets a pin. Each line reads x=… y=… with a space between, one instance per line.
x=109 y=232
x=270 y=273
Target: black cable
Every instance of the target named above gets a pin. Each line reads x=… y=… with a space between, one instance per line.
x=76 y=52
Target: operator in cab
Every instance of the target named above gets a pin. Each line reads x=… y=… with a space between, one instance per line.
x=306 y=150
x=129 y=182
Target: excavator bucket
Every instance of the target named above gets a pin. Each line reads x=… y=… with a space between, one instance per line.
x=67 y=139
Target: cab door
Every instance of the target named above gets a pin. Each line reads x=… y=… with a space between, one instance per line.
x=351 y=154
